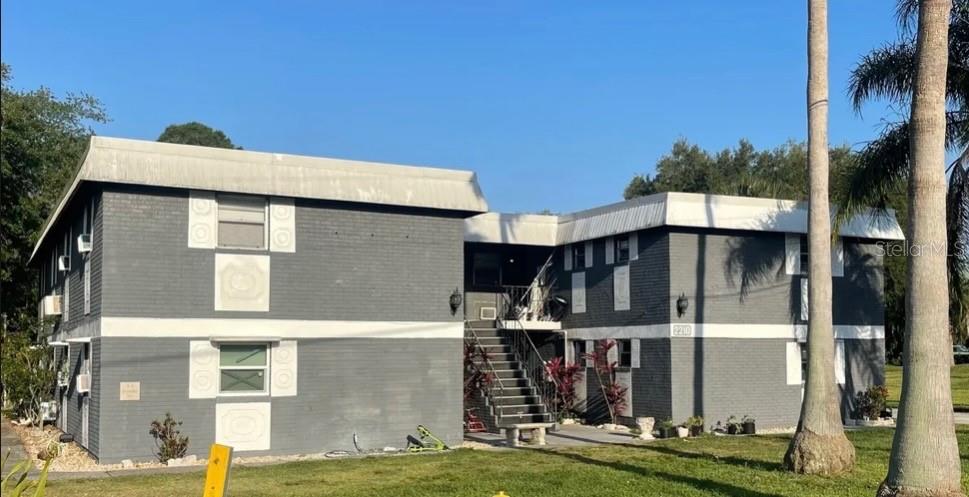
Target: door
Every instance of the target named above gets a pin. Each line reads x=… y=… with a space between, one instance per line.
x=85 y=397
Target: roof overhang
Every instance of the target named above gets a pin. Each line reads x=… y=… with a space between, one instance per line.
x=137 y=162
x=687 y=210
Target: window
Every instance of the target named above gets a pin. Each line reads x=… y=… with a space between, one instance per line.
x=242 y=222
x=485 y=270
x=625 y=351
x=804 y=360
x=803 y=255
x=622 y=249
x=578 y=352
x=242 y=368
x=578 y=256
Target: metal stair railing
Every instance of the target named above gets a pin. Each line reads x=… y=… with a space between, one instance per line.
x=489 y=390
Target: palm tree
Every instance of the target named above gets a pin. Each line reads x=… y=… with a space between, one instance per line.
x=820 y=445
x=925 y=456
x=889 y=73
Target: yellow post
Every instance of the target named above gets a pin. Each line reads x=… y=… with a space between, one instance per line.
x=217 y=471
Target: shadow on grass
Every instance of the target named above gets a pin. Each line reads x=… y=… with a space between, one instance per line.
x=698 y=483
x=732 y=460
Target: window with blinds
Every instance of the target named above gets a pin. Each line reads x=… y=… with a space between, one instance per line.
x=242 y=222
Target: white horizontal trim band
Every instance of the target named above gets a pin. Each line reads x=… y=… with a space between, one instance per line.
x=282 y=328
x=718 y=330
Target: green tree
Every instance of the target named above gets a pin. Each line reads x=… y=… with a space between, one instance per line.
x=888 y=72
x=196 y=133
x=42 y=140
x=819 y=446
x=925 y=455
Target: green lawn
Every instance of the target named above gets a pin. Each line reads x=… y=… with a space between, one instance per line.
x=960 y=385
x=710 y=466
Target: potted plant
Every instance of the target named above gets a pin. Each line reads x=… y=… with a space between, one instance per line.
x=666 y=429
x=733 y=426
x=749 y=426
x=695 y=424
x=682 y=431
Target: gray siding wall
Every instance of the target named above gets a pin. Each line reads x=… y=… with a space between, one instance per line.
x=651 y=389
x=864 y=367
x=341 y=391
x=78 y=323
x=349 y=264
x=648 y=285
x=720 y=377
x=75 y=399
x=739 y=278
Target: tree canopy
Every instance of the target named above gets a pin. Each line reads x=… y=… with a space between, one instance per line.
x=196 y=133
x=42 y=139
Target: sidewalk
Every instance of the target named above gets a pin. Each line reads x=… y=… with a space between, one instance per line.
x=9 y=441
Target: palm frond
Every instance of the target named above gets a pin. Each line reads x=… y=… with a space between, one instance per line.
x=885 y=72
x=882 y=170
x=957 y=236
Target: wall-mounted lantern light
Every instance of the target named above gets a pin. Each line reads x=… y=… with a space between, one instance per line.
x=455 y=301
x=682 y=304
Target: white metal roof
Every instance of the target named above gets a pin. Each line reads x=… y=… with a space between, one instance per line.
x=138 y=162
x=668 y=209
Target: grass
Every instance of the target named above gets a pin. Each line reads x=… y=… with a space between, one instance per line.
x=960 y=385
x=709 y=466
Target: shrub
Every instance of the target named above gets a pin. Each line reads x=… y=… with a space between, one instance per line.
x=872 y=402
x=28 y=374
x=475 y=379
x=16 y=481
x=612 y=391
x=169 y=440
x=565 y=377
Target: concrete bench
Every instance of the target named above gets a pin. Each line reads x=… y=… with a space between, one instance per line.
x=537 y=433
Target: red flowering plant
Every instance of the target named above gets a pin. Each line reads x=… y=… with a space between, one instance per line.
x=475 y=379
x=613 y=393
x=565 y=376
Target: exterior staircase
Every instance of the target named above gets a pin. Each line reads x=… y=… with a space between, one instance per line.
x=513 y=397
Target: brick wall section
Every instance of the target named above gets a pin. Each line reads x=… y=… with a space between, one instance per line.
x=648 y=285
x=349 y=264
x=341 y=391
x=720 y=377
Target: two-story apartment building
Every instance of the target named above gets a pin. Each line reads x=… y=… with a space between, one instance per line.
x=275 y=303
x=284 y=304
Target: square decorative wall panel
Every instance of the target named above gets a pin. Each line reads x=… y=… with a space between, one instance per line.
x=282 y=225
x=242 y=282
x=202 y=215
x=244 y=425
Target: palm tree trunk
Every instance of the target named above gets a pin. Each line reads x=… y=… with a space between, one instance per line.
x=820 y=445
x=925 y=455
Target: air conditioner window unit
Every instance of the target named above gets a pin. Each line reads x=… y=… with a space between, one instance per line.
x=488 y=313
x=83 y=383
x=63 y=378
x=64 y=263
x=50 y=306
x=84 y=243
x=48 y=411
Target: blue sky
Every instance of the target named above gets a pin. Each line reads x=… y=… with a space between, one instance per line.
x=555 y=105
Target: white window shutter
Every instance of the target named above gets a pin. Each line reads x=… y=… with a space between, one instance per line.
x=283 y=368
x=588 y=254
x=203 y=370
x=837 y=258
x=202 y=219
x=569 y=352
x=282 y=225
x=634 y=246
x=805 y=309
x=792 y=253
x=87 y=286
x=620 y=288
x=839 y=361
x=793 y=363
x=625 y=379
x=578 y=293
x=613 y=354
x=635 y=352
x=590 y=347
x=567 y=257
x=610 y=250
x=66 y=307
